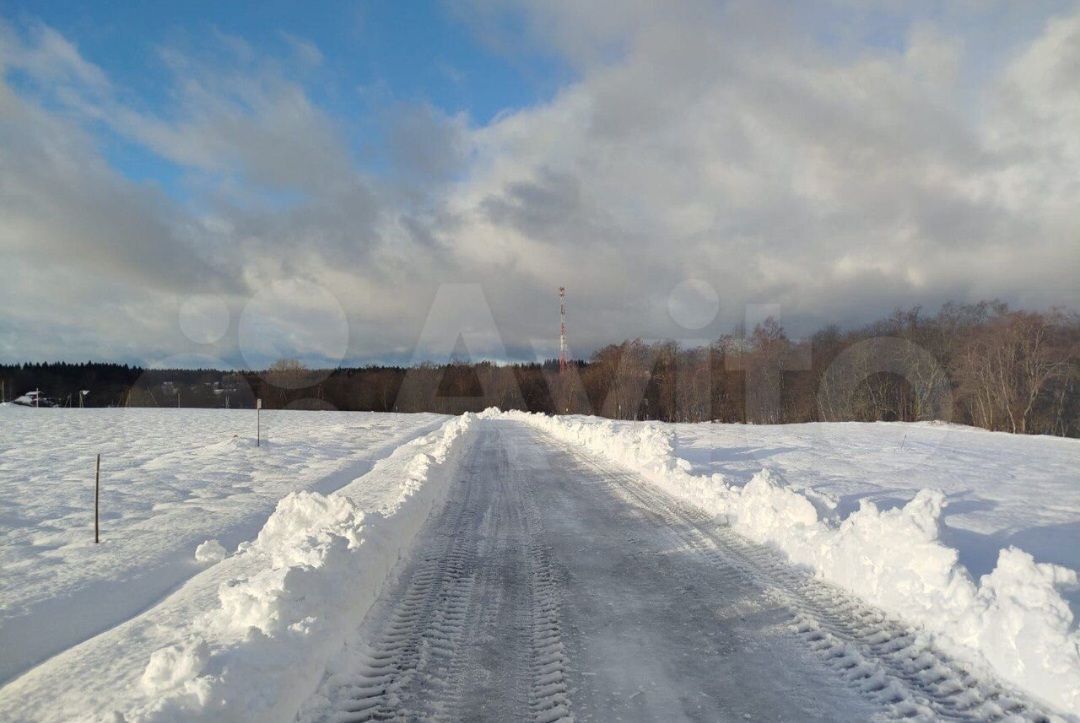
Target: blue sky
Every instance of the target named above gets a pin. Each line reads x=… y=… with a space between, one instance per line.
x=326 y=184
x=367 y=57
x=416 y=50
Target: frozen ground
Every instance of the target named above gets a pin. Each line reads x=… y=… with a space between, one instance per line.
x=171 y=480
x=522 y=567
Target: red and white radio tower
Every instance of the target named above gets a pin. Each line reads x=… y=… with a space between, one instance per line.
x=562 y=328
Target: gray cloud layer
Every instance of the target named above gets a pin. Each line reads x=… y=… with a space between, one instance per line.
x=776 y=154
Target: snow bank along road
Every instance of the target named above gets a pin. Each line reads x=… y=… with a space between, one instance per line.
x=172 y=479
x=518 y=567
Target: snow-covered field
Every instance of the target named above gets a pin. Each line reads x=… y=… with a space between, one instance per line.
x=248 y=637
x=972 y=537
x=171 y=479
x=1000 y=489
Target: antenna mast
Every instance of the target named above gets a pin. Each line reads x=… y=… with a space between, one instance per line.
x=562 y=329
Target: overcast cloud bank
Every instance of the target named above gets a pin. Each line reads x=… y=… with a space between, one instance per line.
x=804 y=159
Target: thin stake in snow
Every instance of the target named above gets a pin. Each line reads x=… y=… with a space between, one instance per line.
x=258 y=428
x=97 y=494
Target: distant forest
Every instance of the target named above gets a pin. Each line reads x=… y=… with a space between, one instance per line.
x=979 y=364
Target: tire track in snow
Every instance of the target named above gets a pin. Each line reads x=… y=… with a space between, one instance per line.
x=408 y=666
x=880 y=657
x=473 y=631
x=549 y=699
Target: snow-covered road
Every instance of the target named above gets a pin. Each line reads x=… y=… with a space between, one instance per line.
x=512 y=566
x=552 y=585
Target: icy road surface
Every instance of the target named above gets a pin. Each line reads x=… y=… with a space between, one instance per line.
x=550 y=588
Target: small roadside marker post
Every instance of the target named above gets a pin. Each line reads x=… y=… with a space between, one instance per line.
x=97 y=495
x=258 y=427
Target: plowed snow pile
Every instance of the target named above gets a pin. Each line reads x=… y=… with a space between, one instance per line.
x=1015 y=619
x=248 y=639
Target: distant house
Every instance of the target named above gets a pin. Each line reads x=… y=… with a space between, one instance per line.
x=34 y=399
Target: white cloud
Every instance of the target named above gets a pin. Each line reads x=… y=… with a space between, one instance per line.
x=306 y=51
x=780 y=170
x=781 y=157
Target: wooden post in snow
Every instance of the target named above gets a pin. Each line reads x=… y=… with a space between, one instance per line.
x=258 y=428
x=97 y=495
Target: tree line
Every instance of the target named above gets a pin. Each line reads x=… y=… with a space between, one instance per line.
x=979 y=364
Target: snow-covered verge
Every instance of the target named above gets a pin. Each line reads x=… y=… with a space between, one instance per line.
x=1014 y=620
x=248 y=639
x=171 y=479
x=1001 y=489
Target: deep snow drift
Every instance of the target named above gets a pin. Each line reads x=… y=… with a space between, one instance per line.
x=1014 y=620
x=171 y=479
